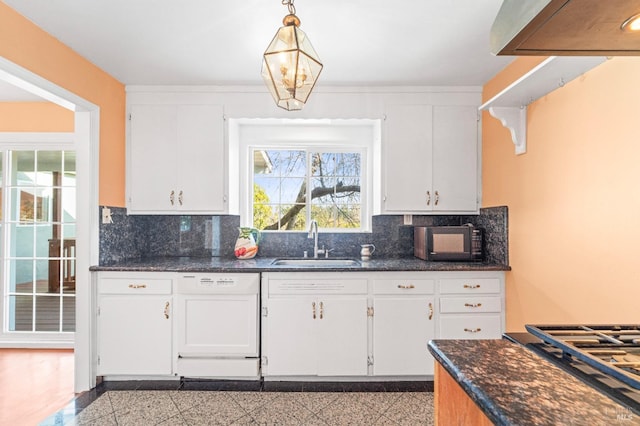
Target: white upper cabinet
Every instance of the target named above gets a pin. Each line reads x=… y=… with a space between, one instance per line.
x=430 y=159
x=176 y=159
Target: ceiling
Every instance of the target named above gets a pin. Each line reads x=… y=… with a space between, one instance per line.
x=216 y=42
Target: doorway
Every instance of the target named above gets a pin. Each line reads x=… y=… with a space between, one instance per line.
x=85 y=140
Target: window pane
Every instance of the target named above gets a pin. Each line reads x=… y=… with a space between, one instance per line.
x=68 y=205
x=49 y=167
x=45 y=243
x=20 y=313
x=23 y=168
x=48 y=313
x=21 y=240
x=21 y=278
x=24 y=207
x=68 y=313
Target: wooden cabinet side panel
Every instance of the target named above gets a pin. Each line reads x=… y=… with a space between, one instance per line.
x=452 y=404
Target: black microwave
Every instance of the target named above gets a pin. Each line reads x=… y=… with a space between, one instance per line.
x=448 y=243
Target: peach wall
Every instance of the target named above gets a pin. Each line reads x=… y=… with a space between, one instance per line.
x=574 y=200
x=35 y=117
x=27 y=45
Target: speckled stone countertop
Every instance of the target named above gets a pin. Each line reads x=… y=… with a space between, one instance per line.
x=514 y=386
x=263 y=264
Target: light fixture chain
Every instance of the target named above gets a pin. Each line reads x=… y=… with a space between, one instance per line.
x=290 y=6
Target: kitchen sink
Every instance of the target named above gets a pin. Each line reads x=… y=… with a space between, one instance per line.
x=318 y=262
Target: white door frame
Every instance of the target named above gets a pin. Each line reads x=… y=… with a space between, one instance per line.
x=87 y=143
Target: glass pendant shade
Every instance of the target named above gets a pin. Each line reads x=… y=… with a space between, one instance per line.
x=290 y=67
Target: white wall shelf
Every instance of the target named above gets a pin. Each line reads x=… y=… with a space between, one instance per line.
x=510 y=105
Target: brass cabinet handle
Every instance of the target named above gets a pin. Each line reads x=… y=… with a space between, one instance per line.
x=321 y=310
x=437 y=198
x=406 y=286
x=428 y=198
x=166 y=310
x=180 y=197
x=475 y=330
x=473 y=305
x=472 y=286
x=313 y=309
x=137 y=286
x=430 y=310
x=172 y=197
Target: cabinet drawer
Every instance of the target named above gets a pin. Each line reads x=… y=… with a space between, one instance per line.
x=470 y=304
x=142 y=285
x=318 y=286
x=403 y=286
x=469 y=285
x=470 y=327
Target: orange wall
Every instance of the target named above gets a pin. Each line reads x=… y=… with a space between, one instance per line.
x=573 y=198
x=35 y=117
x=25 y=44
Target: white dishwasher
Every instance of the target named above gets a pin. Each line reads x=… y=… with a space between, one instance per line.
x=217 y=325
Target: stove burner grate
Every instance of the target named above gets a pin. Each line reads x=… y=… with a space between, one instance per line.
x=612 y=349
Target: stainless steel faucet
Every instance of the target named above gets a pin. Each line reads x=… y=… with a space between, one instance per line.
x=313 y=233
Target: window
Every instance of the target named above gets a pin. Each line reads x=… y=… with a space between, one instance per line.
x=292 y=187
x=295 y=171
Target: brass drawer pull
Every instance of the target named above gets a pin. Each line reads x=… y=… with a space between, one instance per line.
x=313 y=309
x=472 y=286
x=428 y=198
x=437 y=198
x=137 y=286
x=475 y=330
x=406 y=286
x=321 y=310
x=473 y=305
x=180 y=198
x=172 y=197
x=430 y=310
x=166 y=310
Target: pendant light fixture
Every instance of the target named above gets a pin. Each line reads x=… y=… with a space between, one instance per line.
x=290 y=65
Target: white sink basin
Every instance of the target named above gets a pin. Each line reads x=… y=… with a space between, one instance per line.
x=320 y=262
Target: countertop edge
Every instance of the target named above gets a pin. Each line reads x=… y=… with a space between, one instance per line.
x=478 y=396
x=226 y=265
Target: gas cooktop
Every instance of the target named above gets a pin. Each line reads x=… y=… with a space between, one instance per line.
x=611 y=349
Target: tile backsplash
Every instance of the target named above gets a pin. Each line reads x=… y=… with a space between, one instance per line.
x=135 y=237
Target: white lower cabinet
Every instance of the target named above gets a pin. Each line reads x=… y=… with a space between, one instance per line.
x=403 y=323
x=314 y=324
x=375 y=325
x=471 y=307
x=134 y=324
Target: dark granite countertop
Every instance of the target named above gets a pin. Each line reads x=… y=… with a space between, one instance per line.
x=264 y=264
x=513 y=385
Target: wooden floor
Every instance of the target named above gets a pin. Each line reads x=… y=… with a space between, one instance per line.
x=34 y=383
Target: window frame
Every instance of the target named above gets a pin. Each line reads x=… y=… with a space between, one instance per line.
x=357 y=135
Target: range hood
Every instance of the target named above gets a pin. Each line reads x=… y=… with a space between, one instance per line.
x=565 y=27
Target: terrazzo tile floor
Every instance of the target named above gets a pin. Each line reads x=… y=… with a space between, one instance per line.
x=180 y=407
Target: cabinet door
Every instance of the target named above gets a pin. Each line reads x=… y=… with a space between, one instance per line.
x=342 y=336
x=151 y=158
x=402 y=326
x=290 y=337
x=407 y=154
x=455 y=158
x=201 y=159
x=134 y=335
x=215 y=324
